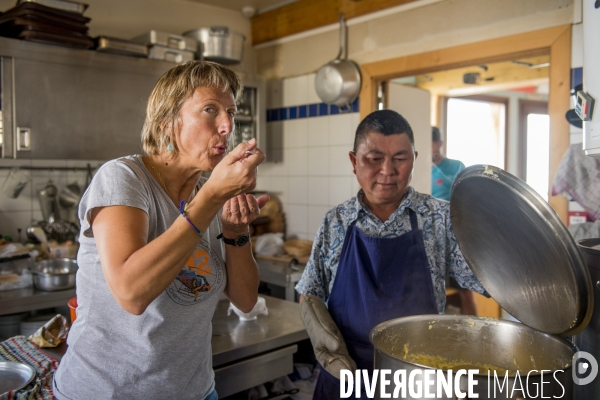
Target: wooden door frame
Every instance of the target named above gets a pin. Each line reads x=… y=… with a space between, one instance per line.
x=555 y=42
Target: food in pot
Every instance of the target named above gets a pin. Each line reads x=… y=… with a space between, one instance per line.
x=443 y=363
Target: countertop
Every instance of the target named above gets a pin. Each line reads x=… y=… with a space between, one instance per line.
x=29 y=299
x=235 y=340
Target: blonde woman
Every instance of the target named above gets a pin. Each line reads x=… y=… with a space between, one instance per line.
x=159 y=244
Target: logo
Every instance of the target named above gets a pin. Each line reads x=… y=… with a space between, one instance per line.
x=202 y=274
x=585 y=368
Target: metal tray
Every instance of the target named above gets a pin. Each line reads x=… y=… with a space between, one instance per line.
x=520 y=251
x=168 y=40
x=169 y=54
x=14 y=376
x=119 y=46
x=64 y=5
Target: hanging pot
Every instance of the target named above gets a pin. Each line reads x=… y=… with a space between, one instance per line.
x=338 y=82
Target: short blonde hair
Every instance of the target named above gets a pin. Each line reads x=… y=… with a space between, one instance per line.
x=172 y=90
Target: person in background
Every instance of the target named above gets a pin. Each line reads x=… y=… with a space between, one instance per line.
x=159 y=244
x=381 y=255
x=443 y=173
x=444 y=170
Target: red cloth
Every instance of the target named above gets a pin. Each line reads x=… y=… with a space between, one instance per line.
x=18 y=349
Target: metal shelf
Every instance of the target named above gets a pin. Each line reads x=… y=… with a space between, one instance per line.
x=30 y=299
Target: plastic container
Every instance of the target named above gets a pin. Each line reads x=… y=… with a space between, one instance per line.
x=169 y=54
x=166 y=39
x=15 y=272
x=73 y=308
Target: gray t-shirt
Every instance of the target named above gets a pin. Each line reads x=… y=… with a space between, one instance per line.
x=165 y=353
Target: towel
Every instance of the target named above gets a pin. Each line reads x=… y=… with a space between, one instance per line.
x=18 y=349
x=578 y=178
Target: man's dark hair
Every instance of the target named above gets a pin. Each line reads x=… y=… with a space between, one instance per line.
x=385 y=122
x=436 y=136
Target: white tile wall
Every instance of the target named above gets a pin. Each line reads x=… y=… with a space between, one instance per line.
x=316 y=173
x=318 y=192
x=295 y=91
x=339 y=161
x=340 y=130
x=318 y=158
x=295 y=133
x=318 y=131
x=313 y=97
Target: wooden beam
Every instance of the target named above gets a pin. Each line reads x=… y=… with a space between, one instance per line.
x=555 y=41
x=304 y=15
x=559 y=103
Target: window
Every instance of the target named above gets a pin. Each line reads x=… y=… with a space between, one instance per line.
x=535 y=146
x=476 y=130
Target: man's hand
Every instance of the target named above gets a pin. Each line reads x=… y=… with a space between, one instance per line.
x=328 y=343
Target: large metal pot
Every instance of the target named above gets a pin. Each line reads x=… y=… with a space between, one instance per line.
x=589 y=339
x=472 y=341
x=219 y=44
x=524 y=257
x=55 y=274
x=338 y=82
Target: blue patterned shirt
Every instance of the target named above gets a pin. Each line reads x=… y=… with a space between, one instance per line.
x=433 y=217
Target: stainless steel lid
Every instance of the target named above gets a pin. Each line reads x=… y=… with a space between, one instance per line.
x=520 y=251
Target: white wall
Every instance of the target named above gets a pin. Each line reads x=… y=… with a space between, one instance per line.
x=316 y=173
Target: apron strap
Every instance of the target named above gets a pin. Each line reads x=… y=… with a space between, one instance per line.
x=413 y=219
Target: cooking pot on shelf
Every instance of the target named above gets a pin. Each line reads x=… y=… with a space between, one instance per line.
x=525 y=258
x=218 y=44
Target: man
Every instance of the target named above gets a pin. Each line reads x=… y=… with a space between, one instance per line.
x=444 y=170
x=381 y=255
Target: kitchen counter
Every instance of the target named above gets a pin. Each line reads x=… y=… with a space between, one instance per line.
x=246 y=354
x=29 y=299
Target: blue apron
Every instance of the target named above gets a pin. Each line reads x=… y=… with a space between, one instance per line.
x=377 y=279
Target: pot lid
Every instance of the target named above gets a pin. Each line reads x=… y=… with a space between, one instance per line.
x=520 y=251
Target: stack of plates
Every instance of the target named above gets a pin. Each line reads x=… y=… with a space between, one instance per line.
x=61 y=24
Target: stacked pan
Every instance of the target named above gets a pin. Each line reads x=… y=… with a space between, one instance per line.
x=34 y=20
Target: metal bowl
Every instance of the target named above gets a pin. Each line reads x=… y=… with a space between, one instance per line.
x=55 y=274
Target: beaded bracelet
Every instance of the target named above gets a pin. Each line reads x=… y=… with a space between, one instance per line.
x=182 y=209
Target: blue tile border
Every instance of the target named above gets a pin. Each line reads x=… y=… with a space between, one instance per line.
x=308 y=111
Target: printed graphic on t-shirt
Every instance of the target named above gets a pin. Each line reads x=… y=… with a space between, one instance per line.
x=200 y=278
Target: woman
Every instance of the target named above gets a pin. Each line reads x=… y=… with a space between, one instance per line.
x=151 y=272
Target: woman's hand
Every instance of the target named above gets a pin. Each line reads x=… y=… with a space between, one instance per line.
x=239 y=211
x=236 y=173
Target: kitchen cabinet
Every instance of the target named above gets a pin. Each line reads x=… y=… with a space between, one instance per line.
x=62 y=103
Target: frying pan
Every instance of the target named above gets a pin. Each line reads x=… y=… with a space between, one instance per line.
x=338 y=82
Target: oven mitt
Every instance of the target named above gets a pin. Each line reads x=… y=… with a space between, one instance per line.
x=327 y=341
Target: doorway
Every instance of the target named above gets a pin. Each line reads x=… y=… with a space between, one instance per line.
x=553 y=42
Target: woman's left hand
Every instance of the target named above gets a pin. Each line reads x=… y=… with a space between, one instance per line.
x=239 y=211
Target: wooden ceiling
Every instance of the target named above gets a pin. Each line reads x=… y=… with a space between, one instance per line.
x=492 y=77
x=304 y=15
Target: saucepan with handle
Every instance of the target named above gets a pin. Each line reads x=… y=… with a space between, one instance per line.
x=338 y=82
